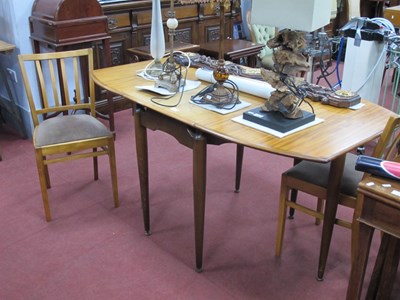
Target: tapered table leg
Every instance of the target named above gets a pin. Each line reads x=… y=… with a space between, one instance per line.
x=199 y=194
x=239 y=164
x=334 y=181
x=142 y=160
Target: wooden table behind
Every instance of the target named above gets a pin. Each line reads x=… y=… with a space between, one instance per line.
x=193 y=126
x=341 y=131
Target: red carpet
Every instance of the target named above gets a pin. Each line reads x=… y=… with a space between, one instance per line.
x=91 y=250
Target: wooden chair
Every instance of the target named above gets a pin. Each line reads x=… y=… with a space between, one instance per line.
x=261 y=34
x=65 y=127
x=312 y=178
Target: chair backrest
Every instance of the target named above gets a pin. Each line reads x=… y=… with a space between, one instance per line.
x=63 y=82
x=261 y=34
x=388 y=145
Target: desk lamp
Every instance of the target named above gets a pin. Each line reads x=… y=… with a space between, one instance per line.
x=300 y=16
x=171 y=75
x=218 y=94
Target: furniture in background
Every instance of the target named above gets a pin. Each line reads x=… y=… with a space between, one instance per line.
x=378 y=207
x=129 y=24
x=312 y=178
x=10 y=104
x=65 y=124
x=260 y=34
x=195 y=127
x=234 y=50
x=61 y=25
x=143 y=53
x=372 y=8
x=393 y=15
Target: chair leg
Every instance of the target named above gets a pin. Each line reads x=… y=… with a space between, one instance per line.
x=239 y=164
x=283 y=198
x=293 y=193
x=46 y=174
x=43 y=175
x=320 y=209
x=293 y=198
x=95 y=166
x=113 y=171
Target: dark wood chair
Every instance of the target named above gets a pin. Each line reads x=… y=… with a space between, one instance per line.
x=312 y=178
x=65 y=126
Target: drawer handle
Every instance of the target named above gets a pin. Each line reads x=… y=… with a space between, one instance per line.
x=112 y=23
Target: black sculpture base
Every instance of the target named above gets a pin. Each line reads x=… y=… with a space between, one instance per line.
x=275 y=120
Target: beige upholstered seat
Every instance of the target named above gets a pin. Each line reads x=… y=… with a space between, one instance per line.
x=65 y=126
x=261 y=34
x=312 y=178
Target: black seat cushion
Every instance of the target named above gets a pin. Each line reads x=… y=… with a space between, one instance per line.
x=317 y=173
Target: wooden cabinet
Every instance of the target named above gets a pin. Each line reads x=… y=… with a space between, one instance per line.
x=393 y=15
x=129 y=25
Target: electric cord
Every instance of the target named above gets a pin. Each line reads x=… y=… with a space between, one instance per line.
x=145 y=72
x=324 y=66
x=324 y=70
x=299 y=92
x=309 y=104
x=181 y=88
x=384 y=23
x=199 y=97
x=177 y=68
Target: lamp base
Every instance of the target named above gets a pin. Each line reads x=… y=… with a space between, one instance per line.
x=222 y=96
x=275 y=120
x=169 y=83
x=155 y=68
x=170 y=78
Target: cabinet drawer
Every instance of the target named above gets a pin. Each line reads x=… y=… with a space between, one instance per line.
x=393 y=15
x=116 y=21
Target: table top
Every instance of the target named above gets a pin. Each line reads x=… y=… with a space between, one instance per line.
x=4 y=47
x=232 y=48
x=342 y=130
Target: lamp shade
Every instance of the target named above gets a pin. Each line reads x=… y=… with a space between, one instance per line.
x=304 y=15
